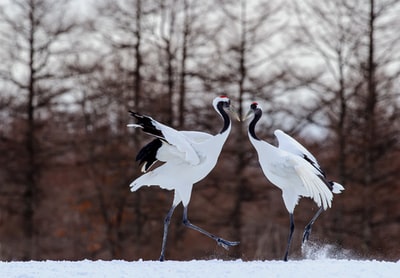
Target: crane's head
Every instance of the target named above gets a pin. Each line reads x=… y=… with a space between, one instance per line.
x=225 y=102
x=222 y=100
x=254 y=108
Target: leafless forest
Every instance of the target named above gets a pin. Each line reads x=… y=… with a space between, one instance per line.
x=326 y=72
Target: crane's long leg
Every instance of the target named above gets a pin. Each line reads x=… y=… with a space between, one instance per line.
x=220 y=241
x=291 y=229
x=167 y=220
x=307 y=229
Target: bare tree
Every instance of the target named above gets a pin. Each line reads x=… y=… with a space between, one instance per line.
x=356 y=45
x=245 y=68
x=122 y=38
x=334 y=42
x=378 y=102
x=183 y=59
x=33 y=35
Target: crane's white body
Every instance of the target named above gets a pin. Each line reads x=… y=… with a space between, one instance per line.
x=286 y=168
x=189 y=156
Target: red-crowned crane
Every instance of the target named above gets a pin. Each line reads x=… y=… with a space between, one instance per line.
x=294 y=170
x=189 y=157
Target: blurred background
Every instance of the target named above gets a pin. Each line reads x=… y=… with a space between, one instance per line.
x=326 y=72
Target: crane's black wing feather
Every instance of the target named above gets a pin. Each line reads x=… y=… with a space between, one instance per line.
x=146 y=123
x=148 y=153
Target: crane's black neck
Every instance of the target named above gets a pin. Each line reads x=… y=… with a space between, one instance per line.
x=252 y=126
x=225 y=116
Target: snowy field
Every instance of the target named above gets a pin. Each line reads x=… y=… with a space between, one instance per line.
x=202 y=268
x=320 y=260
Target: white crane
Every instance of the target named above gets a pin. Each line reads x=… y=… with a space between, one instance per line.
x=188 y=155
x=294 y=170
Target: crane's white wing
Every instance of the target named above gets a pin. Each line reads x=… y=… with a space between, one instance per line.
x=197 y=136
x=180 y=141
x=290 y=145
x=314 y=184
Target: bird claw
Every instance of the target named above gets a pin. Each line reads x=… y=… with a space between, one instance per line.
x=226 y=243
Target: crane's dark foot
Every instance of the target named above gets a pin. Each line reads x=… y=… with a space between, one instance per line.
x=226 y=243
x=306 y=234
x=285 y=258
x=162 y=258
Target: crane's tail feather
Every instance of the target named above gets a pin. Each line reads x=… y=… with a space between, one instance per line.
x=336 y=187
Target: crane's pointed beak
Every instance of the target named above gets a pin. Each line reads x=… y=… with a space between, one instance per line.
x=248 y=115
x=234 y=112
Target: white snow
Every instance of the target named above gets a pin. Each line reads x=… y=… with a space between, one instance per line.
x=202 y=268
x=319 y=260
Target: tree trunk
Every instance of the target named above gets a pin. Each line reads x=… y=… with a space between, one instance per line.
x=31 y=174
x=240 y=134
x=182 y=84
x=369 y=166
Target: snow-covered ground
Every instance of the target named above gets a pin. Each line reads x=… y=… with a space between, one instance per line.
x=319 y=261
x=202 y=268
